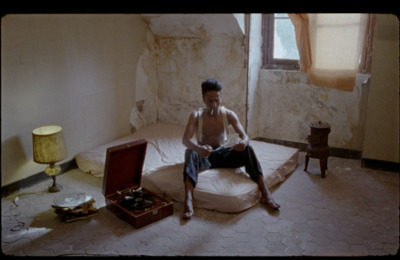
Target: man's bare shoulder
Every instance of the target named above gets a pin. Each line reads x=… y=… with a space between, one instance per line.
x=230 y=113
x=194 y=115
x=229 y=110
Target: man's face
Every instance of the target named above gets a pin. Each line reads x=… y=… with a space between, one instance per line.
x=212 y=99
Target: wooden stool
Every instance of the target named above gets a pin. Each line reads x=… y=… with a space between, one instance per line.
x=321 y=153
x=318 y=145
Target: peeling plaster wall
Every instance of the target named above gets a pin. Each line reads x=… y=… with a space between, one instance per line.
x=182 y=64
x=288 y=102
x=145 y=110
x=191 y=48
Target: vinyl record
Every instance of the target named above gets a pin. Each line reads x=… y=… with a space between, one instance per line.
x=138 y=201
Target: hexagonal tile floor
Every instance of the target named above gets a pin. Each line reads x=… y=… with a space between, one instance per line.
x=354 y=211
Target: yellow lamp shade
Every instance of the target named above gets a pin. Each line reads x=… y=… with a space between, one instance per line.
x=48 y=144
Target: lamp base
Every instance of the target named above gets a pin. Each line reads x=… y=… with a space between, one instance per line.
x=53 y=170
x=54 y=187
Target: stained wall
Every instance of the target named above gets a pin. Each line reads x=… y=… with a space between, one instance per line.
x=275 y=104
x=191 y=48
x=289 y=102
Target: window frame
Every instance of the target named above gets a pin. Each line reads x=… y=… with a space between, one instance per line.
x=269 y=62
x=285 y=64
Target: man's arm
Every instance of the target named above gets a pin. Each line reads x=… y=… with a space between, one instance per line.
x=234 y=121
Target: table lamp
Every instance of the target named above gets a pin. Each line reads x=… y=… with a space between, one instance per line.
x=49 y=148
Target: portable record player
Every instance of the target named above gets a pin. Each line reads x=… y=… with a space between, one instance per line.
x=122 y=186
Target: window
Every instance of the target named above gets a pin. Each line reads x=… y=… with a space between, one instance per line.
x=280 y=49
x=279 y=45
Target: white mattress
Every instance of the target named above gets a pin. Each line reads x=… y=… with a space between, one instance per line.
x=226 y=190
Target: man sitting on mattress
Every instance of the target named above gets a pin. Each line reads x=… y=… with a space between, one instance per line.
x=210 y=125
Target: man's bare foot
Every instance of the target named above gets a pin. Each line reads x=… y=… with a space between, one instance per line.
x=270 y=203
x=188 y=210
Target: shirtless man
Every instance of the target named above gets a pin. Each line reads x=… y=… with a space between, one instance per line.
x=210 y=125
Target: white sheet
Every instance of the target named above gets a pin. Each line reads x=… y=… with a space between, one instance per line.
x=164 y=148
x=226 y=190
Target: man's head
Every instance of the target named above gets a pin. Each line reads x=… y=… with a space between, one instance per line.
x=210 y=84
x=211 y=90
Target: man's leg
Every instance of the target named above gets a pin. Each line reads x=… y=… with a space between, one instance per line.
x=188 y=205
x=266 y=197
x=194 y=163
x=232 y=158
x=253 y=167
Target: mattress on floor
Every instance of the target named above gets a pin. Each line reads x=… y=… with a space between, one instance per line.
x=226 y=190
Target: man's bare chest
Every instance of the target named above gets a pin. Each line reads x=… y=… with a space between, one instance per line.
x=212 y=126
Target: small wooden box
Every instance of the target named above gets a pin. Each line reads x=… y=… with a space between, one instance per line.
x=122 y=173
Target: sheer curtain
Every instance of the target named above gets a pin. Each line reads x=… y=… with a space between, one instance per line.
x=330 y=46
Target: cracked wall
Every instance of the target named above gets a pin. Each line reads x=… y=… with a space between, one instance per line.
x=189 y=49
x=183 y=63
x=288 y=102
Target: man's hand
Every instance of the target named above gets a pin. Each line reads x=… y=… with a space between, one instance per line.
x=240 y=146
x=205 y=151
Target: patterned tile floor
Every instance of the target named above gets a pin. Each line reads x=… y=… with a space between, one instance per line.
x=354 y=211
